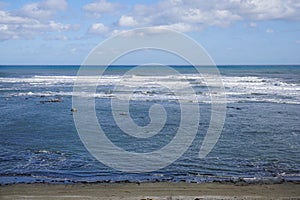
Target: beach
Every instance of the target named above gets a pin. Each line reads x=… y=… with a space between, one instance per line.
x=153 y=191
x=149 y=100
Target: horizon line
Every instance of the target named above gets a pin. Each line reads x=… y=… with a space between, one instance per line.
x=130 y=65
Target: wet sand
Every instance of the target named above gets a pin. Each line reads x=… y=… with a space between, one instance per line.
x=153 y=191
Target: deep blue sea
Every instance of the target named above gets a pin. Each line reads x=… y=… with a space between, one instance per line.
x=260 y=141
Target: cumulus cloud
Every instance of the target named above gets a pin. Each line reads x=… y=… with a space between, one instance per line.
x=57 y=37
x=16 y=27
x=252 y=24
x=34 y=19
x=42 y=10
x=193 y=15
x=97 y=8
x=269 y=9
x=127 y=21
x=156 y=30
x=98 y=28
x=269 y=30
x=181 y=27
x=179 y=15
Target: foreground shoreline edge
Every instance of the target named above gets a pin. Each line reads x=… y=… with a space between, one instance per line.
x=162 y=190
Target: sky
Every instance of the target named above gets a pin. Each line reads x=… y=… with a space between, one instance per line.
x=53 y=32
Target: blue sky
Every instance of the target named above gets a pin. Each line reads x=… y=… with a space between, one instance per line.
x=232 y=31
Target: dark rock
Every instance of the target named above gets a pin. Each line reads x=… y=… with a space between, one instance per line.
x=51 y=101
x=237 y=108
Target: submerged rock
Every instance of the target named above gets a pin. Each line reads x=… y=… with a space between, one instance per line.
x=51 y=101
x=237 y=108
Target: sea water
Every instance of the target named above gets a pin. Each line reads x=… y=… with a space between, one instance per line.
x=260 y=141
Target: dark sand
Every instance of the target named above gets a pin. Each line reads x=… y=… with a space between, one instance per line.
x=168 y=191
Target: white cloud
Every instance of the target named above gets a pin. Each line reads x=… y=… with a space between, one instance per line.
x=155 y=30
x=252 y=24
x=98 y=28
x=33 y=10
x=17 y=27
x=97 y=8
x=196 y=14
x=181 y=27
x=269 y=30
x=179 y=15
x=57 y=37
x=42 y=10
x=7 y=18
x=127 y=21
x=269 y=9
x=73 y=50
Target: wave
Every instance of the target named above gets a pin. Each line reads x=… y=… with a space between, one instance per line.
x=88 y=177
x=237 y=88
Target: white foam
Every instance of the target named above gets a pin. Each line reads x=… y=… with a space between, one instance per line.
x=238 y=89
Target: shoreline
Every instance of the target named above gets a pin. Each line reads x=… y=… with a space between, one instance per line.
x=158 y=190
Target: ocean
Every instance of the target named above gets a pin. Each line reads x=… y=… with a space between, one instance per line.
x=260 y=141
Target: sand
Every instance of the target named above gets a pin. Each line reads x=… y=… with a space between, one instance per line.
x=154 y=191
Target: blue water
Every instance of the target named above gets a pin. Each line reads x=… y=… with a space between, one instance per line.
x=260 y=141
